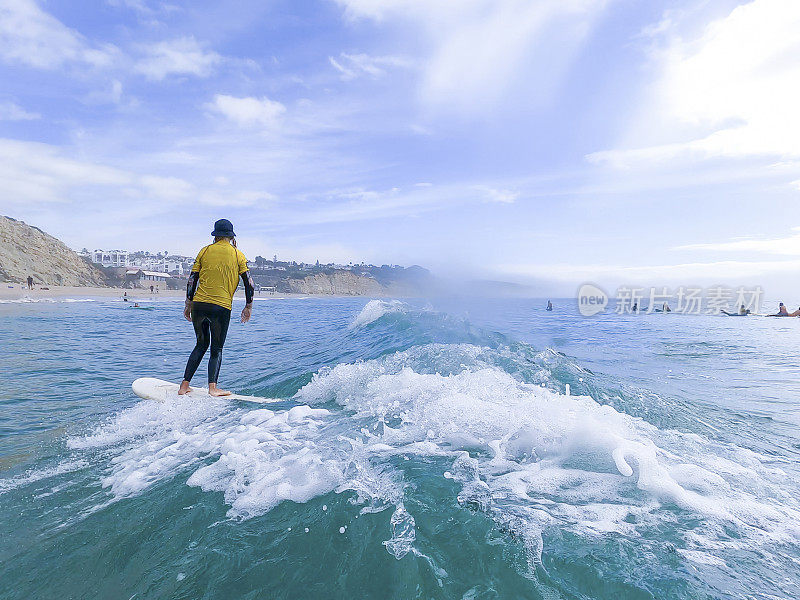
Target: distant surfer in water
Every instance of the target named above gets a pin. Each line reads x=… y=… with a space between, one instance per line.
x=782 y=312
x=743 y=312
x=209 y=299
x=549 y=305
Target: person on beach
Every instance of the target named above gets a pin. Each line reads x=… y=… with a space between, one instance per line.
x=30 y=282
x=209 y=299
x=782 y=312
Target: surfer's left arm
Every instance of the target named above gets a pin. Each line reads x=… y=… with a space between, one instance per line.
x=249 y=290
x=191 y=288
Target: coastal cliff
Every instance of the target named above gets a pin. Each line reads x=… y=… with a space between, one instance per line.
x=26 y=250
x=340 y=283
x=358 y=280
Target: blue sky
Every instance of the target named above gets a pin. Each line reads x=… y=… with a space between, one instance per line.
x=545 y=141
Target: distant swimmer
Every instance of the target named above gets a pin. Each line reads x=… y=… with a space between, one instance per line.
x=209 y=299
x=125 y=297
x=665 y=307
x=549 y=305
x=782 y=312
x=743 y=312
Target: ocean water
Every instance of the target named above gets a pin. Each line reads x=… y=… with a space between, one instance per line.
x=442 y=449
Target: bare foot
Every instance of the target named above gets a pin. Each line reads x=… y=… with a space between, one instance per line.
x=184 y=389
x=213 y=390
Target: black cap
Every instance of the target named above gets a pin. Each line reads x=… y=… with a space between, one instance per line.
x=223 y=228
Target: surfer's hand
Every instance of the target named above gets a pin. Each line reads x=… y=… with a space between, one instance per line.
x=187 y=310
x=246 y=313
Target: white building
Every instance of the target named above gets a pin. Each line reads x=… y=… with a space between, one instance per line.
x=175 y=264
x=110 y=258
x=148 y=278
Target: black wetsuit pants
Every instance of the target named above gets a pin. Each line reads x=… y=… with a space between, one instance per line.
x=210 y=326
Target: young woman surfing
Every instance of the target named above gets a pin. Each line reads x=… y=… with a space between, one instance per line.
x=209 y=299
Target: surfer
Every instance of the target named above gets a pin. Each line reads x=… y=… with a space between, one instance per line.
x=209 y=299
x=782 y=312
x=549 y=305
x=743 y=312
x=795 y=313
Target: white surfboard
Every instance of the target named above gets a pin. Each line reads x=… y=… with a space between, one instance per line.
x=150 y=388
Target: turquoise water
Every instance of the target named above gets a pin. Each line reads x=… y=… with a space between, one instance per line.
x=418 y=450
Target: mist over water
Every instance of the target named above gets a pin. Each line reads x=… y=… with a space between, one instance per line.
x=419 y=450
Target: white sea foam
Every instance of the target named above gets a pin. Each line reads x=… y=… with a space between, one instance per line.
x=547 y=458
x=529 y=457
x=28 y=300
x=375 y=309
x=36 y=475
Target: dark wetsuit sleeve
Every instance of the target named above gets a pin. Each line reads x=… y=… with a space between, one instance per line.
x=191 y=285
x=249 y=290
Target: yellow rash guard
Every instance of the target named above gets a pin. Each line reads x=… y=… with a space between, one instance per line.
x=219 y=265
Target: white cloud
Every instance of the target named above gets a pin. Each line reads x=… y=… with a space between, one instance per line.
x=139 y=6
x=480 y=48
x=733 y=91
x=247 y=111
x=168 y=188
x=359 y=204
x=181 y=56
x=35 y=173
x=789 y=246
x=112 y=94
x=30 y=36
x=499 y=195
x=236 y=198
x=9 y=111
x=352 y=66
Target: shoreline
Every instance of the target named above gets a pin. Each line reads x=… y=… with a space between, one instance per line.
x=20 y=292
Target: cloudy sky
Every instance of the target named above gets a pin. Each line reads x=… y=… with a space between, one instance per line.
x=527 y=140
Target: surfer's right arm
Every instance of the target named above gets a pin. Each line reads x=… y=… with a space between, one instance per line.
x=249 y=291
